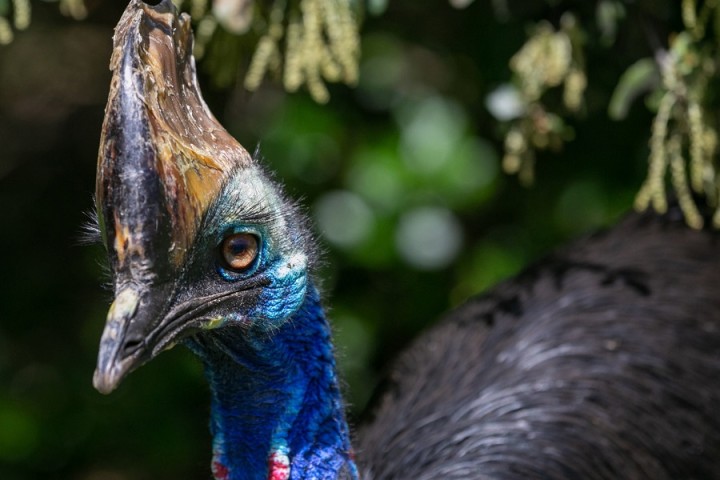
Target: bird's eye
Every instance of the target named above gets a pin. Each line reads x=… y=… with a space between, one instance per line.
x=239 y=251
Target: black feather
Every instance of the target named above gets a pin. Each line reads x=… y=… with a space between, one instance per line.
x=600 y=362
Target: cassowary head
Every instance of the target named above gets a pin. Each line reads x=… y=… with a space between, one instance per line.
x=199 y=238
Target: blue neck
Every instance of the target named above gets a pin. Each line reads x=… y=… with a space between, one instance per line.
x=277 y=413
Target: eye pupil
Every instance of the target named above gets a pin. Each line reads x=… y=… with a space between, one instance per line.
x=239 y=250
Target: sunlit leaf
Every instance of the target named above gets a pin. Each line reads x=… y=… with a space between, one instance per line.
x=639 y=78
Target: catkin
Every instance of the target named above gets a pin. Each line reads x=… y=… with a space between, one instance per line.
x=680 y=183
x=21 y=14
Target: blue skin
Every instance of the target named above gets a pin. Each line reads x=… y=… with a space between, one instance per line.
x=277 y=393
x=273 y=379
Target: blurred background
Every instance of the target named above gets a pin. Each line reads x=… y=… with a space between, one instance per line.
x=402 y=176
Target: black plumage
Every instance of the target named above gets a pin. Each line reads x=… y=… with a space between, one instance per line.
x=599 y=362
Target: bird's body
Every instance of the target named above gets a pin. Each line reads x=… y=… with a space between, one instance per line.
x=598 y=363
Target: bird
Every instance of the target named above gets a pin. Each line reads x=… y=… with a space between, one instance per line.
x=600 y=361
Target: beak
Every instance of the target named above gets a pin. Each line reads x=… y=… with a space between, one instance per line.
x=117 y=357
x=126 y=342
x=141 y=323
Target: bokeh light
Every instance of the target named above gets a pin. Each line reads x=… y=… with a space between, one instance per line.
x=428 y=237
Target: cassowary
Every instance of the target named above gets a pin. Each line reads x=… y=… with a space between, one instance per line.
x=600 y=362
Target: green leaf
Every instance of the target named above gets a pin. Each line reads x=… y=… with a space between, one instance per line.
x=640 y=77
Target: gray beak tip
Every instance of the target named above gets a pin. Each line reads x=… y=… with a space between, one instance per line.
x=103 y=383
x=112 y=365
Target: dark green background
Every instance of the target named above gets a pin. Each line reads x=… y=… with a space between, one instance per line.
x=426 y=71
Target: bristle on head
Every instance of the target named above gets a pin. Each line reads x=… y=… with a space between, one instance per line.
x=90 y=233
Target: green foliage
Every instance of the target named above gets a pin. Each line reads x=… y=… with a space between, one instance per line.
x=549 y=58
x=640 y=77
x=683 y=139
x=17 y=15
x=309 y=42
x=20 y=19
x=684 y=136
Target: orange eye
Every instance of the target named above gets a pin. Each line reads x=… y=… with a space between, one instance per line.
x=239 y=250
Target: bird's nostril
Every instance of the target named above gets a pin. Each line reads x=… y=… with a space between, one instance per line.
x=131 y=346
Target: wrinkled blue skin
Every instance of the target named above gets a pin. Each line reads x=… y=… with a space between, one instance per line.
x=277 y=393
x=270 y=365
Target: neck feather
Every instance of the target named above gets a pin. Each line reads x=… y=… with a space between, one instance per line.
x=277 y=413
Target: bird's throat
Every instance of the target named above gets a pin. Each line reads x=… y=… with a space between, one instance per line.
x=277 y=413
